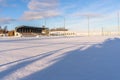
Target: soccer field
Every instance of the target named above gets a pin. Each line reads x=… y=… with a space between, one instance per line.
x=60 y=58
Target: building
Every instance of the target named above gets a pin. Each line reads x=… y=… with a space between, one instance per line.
x=30 y=31
x=4 y=31
x=59 y=29
x=61 y=32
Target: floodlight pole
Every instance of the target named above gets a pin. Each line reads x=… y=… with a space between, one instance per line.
x=64 y=25
x=45 y=23
x=64 y=22
x=102 y=33
x=118 y=24
x=88 y=25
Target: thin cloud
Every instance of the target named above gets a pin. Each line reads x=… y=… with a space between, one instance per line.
x=42 y=4
x=99 y=7
x=3 y=3
x=87 y=15
x=39 y=9
x=6 y=20
x=6 y=3
x=32 y=15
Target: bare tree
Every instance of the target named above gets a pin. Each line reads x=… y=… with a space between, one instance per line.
x=0 y=28
x=5 y=30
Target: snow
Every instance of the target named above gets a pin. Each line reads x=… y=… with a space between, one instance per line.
x=60 y=58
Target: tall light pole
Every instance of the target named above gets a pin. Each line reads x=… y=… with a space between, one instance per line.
x=64 y=25
x=118 y=23
x=45 y=22
x=64 y=22
x=88 y=20
x=88 y=25
x=102 y=32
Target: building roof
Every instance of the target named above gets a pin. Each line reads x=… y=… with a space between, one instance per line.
x=23 y=26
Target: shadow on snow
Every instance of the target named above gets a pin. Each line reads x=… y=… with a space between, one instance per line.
x=99 y=62
x=24 y=62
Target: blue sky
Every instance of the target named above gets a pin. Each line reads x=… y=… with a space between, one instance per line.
x=102 y=13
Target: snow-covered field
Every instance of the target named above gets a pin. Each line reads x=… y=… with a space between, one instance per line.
x=60 y=58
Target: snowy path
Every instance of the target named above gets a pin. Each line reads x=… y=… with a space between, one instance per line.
x=60 y=58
